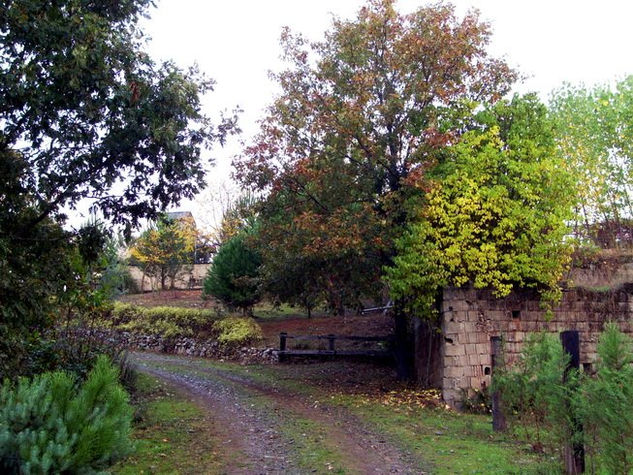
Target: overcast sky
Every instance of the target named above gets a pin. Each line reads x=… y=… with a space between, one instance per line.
x=236 y=42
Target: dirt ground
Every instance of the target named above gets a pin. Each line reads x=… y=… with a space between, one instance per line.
x=169 y=298
x=265 y=426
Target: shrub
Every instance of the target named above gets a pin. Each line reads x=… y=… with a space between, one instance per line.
x=238 y=331
x=169 y=322
x=233 y=275
x=534 y=388
x=47 y=425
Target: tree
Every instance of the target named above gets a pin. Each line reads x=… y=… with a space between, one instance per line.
x=495 y=214
x=84 y=114
x=595 y=132
x=232 y=277
x=359 y=121
x=92 y=116
x=606 y=402
x=163 y=249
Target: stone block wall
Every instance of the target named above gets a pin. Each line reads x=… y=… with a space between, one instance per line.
x=471 y=317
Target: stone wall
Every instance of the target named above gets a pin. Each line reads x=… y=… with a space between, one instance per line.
x=471 y=317
x=190 y=277
x=185 y=346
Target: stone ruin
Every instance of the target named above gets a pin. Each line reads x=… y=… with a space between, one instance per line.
x=461 y=353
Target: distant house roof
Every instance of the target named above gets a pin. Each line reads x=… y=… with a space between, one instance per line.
x=177 y=215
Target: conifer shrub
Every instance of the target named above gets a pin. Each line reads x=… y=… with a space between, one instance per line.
x=536 y=392
x=49 y=425
x=606 y=403
x=550 y=407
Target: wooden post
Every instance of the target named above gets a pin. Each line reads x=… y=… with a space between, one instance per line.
x=282 y=341
x=498 y=416
x=282 y=346
x=330 y=340
x=574 y=451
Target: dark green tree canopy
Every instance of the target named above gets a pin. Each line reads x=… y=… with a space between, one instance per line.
x=232 y=278
x=84 y=114
x=90 y=115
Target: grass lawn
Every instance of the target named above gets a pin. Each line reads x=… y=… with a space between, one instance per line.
x=170 y=434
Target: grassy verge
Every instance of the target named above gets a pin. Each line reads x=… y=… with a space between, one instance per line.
x=312 y=449
x=170 y=434
x=450 y=442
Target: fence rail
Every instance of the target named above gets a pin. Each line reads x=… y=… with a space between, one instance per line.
x=331 y=350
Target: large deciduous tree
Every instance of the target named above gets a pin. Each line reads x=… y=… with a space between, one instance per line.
x=359 y=120
x=84 y=113
x=86 y=109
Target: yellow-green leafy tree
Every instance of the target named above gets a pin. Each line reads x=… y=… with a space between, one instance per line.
x=163 y=250
x=495 y=213
x=595 y=133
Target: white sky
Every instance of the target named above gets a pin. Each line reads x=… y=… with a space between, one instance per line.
x=236 y=42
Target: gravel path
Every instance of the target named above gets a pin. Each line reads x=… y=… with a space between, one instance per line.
x=251 y=416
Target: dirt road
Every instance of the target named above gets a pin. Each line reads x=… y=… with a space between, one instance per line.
x=270 y=430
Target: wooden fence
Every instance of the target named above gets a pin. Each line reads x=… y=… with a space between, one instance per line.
x=332 y=350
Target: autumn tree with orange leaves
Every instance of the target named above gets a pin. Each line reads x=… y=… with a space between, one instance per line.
x=363 y=114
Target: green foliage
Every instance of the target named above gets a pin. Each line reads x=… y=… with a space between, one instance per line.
x=606 y=403
x=233 y=275
x=56 y=276
x=169 y=322
x=595 y=132
x=90 y=110
x=165 y=248
x=238 y=331
x=84 y=112
x=74 y=350
x=546 y=405
x=495 y=215
x=535 y=391
x=47 y=424
x=172 y=322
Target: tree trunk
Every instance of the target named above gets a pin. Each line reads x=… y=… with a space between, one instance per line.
x=163 y=277
x=403 y=349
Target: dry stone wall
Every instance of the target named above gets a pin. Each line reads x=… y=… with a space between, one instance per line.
x=184 y=346
x=471 y=317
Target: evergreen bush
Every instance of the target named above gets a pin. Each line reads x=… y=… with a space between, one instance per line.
x=233 y=277
x=535 y=391
x=48 y=425
x=606 y=403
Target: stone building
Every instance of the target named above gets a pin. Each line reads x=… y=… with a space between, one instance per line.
x=469 y=318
